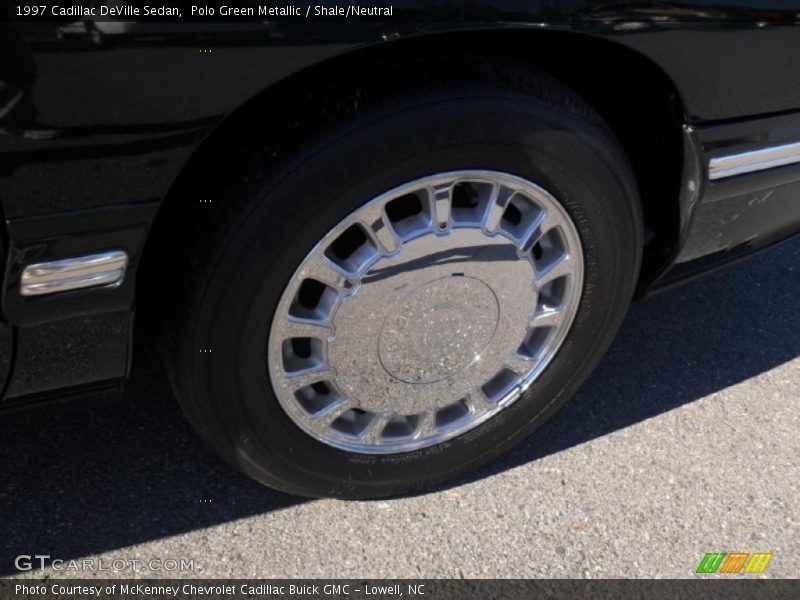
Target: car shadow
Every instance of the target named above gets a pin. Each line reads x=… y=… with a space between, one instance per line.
x=83 y=478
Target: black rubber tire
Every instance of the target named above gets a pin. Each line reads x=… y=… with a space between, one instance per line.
x=96 y=37
x=271 y=212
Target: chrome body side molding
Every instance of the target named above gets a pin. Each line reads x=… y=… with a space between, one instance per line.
x=754 y=160
x=92 y=270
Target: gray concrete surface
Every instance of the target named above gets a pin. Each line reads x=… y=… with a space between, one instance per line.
x=686 y=440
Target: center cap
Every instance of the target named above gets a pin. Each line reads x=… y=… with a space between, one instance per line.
x=438 y=329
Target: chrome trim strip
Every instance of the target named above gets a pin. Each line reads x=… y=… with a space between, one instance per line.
x=755 y=160
x=92 y=270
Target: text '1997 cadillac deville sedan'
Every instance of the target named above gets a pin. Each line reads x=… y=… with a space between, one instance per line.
x=377 y=252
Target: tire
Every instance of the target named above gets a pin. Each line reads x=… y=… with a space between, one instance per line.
x=272 y=212
x=96 y=37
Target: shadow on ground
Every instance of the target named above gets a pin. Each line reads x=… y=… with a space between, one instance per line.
x=78 y=479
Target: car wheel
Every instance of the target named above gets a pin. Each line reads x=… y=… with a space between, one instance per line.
x=96 y=37
x=411 y=292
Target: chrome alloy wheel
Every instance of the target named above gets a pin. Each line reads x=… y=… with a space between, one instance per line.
x=425 y=312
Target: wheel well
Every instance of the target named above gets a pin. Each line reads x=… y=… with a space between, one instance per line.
x=632 y=94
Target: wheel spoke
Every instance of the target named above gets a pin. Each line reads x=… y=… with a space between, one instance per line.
x=322 y=420
x=375 y=222
x=374 y=430
x=478 y=403
x=427 y=424
x=441 y=199
x=559 y=267
x=296 y=328
x=385 y=238
x=301 y=379
x=318 y=267
x=534 y=233
x=498 y=201
x=548 y=317
x=520 y=365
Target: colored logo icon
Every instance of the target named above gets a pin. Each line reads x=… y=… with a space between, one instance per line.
x=734 y=562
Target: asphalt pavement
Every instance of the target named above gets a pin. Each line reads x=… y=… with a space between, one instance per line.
x=686 y=440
